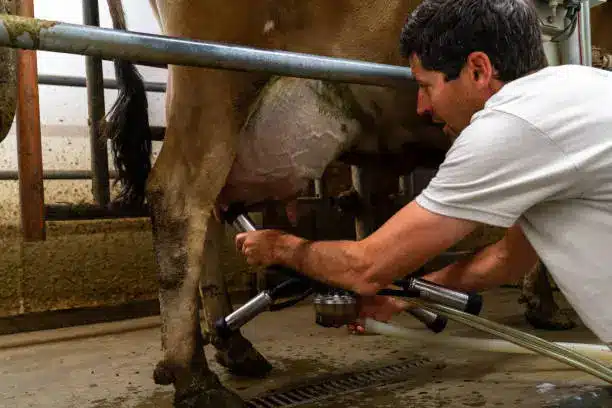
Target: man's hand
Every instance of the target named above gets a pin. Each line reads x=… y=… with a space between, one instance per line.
x=260 y=247
x=381 y=308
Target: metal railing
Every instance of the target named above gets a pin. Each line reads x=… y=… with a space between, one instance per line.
x=81 y=82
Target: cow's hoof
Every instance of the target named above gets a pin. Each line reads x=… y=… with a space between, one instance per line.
x=217 y=397
x=558 y=321
x=251 y=364
x=163 y=373
x=241 y=359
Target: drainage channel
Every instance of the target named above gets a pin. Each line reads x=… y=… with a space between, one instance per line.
x=339 y=384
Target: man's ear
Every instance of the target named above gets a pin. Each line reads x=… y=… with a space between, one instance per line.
x=480 y=68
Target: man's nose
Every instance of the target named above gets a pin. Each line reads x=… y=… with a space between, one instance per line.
x=423 y=104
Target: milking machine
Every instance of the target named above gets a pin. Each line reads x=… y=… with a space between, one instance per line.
x=336 y=307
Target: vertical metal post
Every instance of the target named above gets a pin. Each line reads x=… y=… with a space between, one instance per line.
x=570 y=49
x=321 y=220
x=402 y=185
x=96 y=109
x=319 y=188
x=585 y=33
x=362 y=183
x=406 y=185
x=31 y=189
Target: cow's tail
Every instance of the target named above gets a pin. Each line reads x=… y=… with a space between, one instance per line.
x=127 y=125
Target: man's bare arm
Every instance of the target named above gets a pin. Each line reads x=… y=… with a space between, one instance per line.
x=405 y=242
x=503 y=262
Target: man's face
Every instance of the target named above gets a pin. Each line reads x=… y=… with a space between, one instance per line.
x=450 y=102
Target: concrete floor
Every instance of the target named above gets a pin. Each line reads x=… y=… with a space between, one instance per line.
x=116 y=370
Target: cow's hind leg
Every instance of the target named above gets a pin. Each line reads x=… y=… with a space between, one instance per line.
x=179 y=235
x=542 y=312
x=190 y=170
x=236 y=353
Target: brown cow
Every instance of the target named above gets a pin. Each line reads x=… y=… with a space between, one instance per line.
x=242 y=136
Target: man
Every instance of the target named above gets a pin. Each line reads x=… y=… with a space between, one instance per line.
x=533 y=153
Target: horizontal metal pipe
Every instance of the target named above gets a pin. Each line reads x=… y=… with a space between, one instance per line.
x=55 y=175
x=29 y=33
x=59 y=80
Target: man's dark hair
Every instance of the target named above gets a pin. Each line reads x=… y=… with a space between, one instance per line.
x=442 y=33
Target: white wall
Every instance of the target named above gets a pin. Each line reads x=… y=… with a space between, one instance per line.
x=63 y=110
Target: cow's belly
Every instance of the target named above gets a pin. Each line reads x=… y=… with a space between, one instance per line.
x=297 y=127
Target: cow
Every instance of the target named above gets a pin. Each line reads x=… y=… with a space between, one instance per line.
x=231 y=136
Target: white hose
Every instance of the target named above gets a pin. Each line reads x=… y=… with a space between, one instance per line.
x=536 y=344
x=493 y=345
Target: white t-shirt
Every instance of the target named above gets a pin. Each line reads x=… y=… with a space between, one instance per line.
x=540 y=154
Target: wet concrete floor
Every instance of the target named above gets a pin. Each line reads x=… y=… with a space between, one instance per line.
x=116 y=370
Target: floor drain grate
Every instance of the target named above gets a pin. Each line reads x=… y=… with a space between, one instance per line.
x=336 y=385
